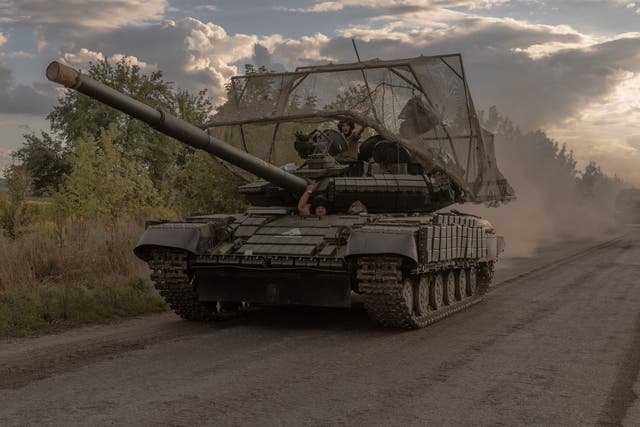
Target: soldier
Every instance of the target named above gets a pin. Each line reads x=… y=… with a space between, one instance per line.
x=318 y=207
x=346 y=128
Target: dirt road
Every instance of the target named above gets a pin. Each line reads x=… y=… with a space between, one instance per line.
x=556 y=342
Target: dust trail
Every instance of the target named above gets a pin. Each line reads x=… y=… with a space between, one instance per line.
x=555 y=201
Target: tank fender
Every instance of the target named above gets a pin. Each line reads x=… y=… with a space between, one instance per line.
x=495 y=246
x=363 y=241
x=192 y=237
x=502 y=244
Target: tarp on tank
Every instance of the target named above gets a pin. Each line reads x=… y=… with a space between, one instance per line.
x=422 y=103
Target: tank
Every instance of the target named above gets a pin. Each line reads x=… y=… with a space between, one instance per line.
x=388 y=144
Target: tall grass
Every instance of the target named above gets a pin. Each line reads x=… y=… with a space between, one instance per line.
x=72 y=273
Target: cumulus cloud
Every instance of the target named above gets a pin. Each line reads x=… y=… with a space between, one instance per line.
x=191 y=53
x=305 y=50
x=83 y=57
x=211 y=51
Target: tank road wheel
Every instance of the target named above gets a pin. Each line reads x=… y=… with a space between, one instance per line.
x=449 y=287
x=421 y=295
x=394 y=298
x=407 y=294
x=472 y=281
x=436 y=291
x=461 y=284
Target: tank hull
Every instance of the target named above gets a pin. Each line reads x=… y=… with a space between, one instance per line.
x=282 y=259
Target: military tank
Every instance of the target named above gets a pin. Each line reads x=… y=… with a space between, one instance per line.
x=384 y=236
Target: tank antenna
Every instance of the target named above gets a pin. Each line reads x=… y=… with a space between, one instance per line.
x=356 y=49
x=366 y=83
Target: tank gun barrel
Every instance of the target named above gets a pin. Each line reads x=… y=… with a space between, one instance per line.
x=170 y=125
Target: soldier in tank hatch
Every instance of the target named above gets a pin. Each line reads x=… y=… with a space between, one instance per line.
x=317 y=207
x=341 y=143
x=347 y=130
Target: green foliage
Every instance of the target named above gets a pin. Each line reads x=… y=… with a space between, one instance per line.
x=45 y=158
x=204 y=186
x=13 y=209
x=250 y=69
x=104 y=184
x=78 y=115
x=28 y=310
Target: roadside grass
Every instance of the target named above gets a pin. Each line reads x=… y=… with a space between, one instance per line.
x=61 y=275
x=26 y=311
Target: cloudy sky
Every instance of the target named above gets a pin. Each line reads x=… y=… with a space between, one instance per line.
x=571 y=67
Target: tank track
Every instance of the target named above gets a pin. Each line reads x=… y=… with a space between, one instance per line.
x=388 y=302
x=171 y=277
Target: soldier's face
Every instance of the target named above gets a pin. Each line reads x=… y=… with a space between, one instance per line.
x=344 y=128
x=321 y=211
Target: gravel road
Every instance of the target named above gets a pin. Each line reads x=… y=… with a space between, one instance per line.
x=556 y=342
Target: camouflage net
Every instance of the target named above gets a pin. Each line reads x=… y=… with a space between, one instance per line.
x=422 y=104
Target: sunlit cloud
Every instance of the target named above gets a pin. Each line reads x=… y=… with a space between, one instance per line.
x=83 y=57
x=608 y=130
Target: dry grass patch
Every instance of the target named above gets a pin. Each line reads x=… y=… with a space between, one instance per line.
x=71 y=275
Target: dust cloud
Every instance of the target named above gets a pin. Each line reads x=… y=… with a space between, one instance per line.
x=555 y=202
